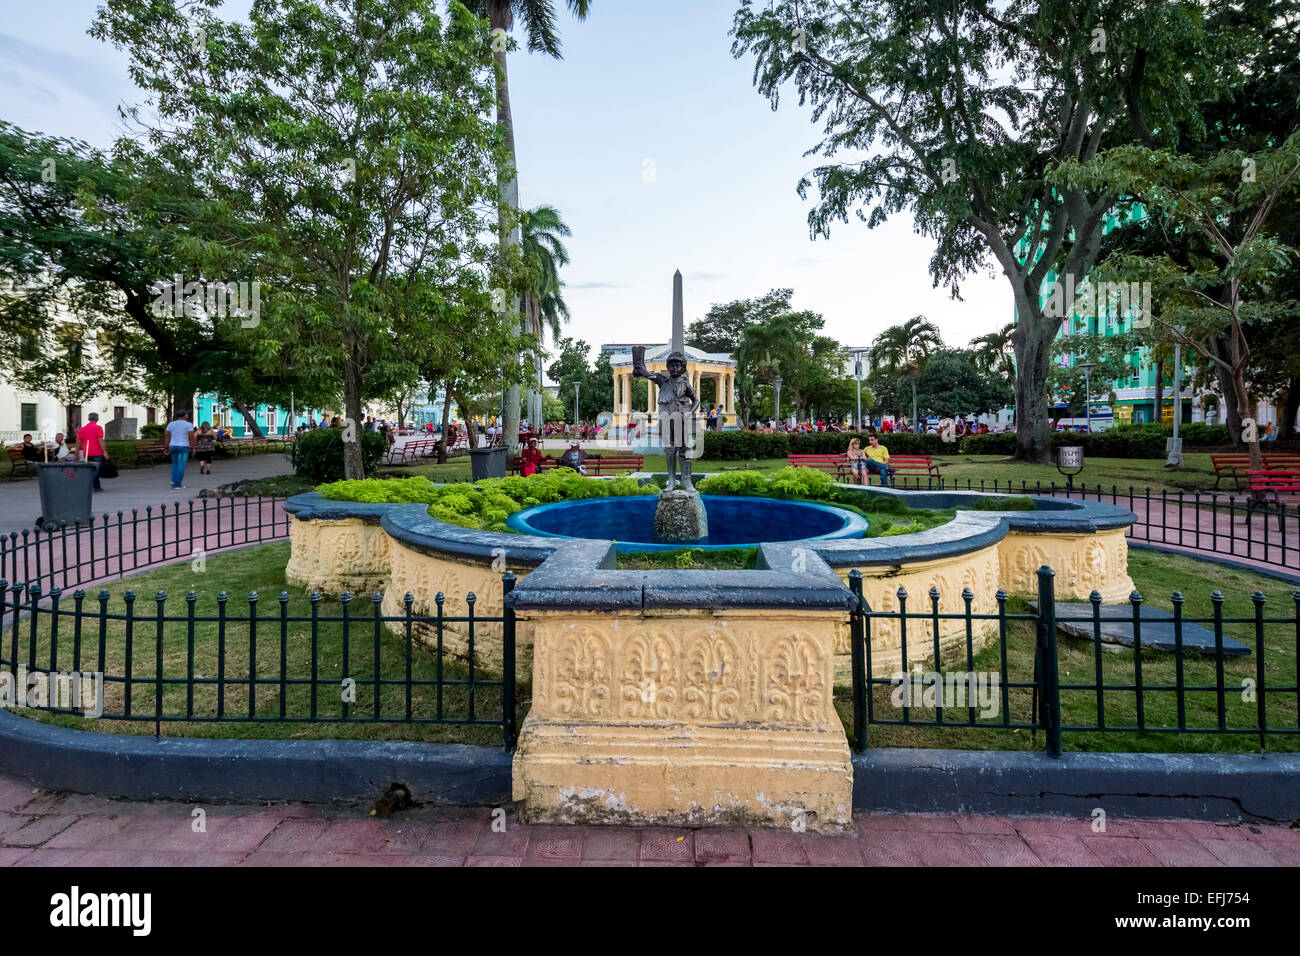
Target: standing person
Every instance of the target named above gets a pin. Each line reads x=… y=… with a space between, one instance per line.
x=180 y=439
x=90 y=437
x=205 y=441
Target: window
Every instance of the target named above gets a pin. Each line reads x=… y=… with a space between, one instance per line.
x=28 y=416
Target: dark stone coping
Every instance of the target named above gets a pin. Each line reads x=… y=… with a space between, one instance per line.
x=242 y=771
x=411 y=525
x=1220 y=787
x=583 y=577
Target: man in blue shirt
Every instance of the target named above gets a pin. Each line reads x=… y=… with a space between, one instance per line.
x=180 y=438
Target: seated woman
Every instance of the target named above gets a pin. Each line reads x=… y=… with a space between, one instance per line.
x=530 y=459
x=857 y=462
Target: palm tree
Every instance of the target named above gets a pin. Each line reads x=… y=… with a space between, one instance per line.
x=545 y=308
x=537 y=17
x=995 y=354
x=904 y=348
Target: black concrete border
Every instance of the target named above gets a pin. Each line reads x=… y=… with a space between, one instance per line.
x=1197 y=786
x=1220 y=787
x=248 y=771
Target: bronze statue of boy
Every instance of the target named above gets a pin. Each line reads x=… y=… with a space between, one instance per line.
x=677 y=406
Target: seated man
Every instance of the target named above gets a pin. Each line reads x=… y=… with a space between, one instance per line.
x=573 y=458
x=878 y=459
x=30 y=451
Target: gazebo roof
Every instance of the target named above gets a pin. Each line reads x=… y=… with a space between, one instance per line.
x=658 y=354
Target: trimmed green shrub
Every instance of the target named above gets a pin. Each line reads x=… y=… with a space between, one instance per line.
x=1003 y=443
x=152 y=432
x=317 y=454
x=1201 y=435
x=486 y=504
x=744 y=446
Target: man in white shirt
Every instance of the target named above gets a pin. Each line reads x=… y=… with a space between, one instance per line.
x=58 y=448
x=180 y=434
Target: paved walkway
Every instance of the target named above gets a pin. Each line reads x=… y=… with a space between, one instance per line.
x=20 y=501
x=39 y=828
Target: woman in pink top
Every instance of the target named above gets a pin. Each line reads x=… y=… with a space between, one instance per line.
x=90 y=437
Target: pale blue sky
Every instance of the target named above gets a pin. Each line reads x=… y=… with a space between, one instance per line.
x=641 y=81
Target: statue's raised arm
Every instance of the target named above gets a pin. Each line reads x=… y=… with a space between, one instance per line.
x=640 y=371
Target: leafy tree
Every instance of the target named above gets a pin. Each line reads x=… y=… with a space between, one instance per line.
x=722 y=325
x=995 y=352
x=538 y=20
x=1226 y=202
x=365 y=169
x=950 y=384
x=785 y=345
x=905 y=349
x=956 y=113
x=544 y=255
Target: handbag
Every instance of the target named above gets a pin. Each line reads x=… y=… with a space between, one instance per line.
x=108 y=468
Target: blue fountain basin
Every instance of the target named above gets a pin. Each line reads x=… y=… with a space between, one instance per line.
x=734 y=522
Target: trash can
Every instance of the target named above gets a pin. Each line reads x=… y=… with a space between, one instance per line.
x=67 y=489
x=487 y=462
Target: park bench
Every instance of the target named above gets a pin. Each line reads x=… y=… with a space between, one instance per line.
x=18 y=463
x=157 y=451
x=839 y=464
x=923 y=464
x=595 y=464
x=1272 y=484
x=411 y=450
x=1237 y=466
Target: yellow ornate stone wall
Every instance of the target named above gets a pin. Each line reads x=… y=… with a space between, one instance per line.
x=1082 y=562
x=333 y=556
x=683 y=717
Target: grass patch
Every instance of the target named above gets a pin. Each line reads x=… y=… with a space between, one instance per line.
x=690 y=559
x=1157 y=576
x=261 y=570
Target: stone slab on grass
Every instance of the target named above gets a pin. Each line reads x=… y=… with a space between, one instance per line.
x=1074 y=618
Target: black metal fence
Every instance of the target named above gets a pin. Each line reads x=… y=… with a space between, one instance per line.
x=235 y=661
x=1041 y=692
x=1230 y=524
x=110 y=546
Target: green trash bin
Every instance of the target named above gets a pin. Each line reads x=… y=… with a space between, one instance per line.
x=67 y=490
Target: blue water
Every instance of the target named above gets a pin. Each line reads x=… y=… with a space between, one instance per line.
x=734 y=522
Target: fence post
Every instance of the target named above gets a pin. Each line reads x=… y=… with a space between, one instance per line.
x=858 y=664
x=509 y=733
x=1050 y=696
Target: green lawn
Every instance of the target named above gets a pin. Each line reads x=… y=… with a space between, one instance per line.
x=261 y=569
x=1157 y=576
x=239 y=573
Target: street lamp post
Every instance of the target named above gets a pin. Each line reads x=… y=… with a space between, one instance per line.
x=777 y=383
x=576 y=386
x=857 y=372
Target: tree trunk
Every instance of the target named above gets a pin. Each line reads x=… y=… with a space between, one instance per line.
x=1033 y=358
x=250 y=420
x=499 y=17
x=1232 y=415
x=471 y=430
x=446 y=425
x=1243 y=401
x=353 y=465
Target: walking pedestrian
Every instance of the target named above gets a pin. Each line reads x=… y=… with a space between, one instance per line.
x=204 y=444
x=90 y=437
x=180 y=439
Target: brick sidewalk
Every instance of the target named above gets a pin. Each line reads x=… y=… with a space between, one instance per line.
x=39 y=828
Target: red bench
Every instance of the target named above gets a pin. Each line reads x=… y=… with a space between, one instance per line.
x=836 y=463
x=1237 y=466
x=1274 y=483
x=18 y=463
x=411 y=450
x=919 y=463
x=594 y=464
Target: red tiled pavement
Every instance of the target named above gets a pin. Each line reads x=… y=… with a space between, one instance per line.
x=46 y=829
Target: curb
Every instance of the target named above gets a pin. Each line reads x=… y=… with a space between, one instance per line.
x=248 y=771
x=1216 y=787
